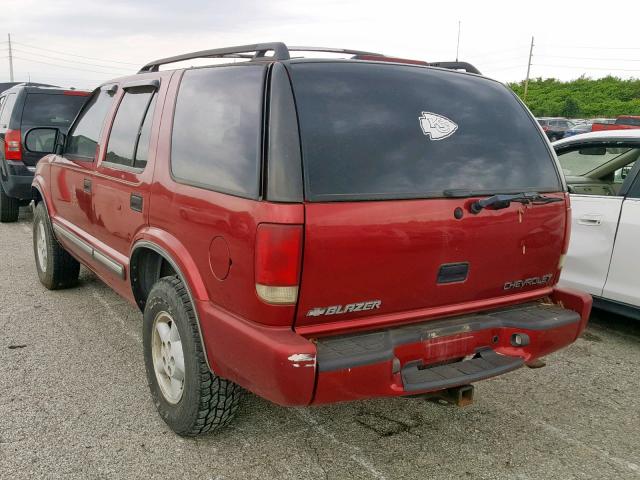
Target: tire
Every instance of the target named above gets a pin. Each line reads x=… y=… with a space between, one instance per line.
x=56 y=267
x=9 y=207
x=194 y=401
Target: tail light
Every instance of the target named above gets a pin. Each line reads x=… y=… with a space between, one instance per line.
x=278 y=258
x=545 y=128
x=12 y=145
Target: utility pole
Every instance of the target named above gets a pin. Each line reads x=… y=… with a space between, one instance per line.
x=458 y=46
x=526 y=82
x=10 y=60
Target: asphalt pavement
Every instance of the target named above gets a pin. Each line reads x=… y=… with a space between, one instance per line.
x=74 y=403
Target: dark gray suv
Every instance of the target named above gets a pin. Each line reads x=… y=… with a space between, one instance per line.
x=23 y=108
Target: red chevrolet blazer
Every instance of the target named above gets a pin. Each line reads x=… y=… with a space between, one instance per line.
x=311 y=230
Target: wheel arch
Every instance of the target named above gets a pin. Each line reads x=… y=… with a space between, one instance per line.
x=38 y=194
x=148 y=251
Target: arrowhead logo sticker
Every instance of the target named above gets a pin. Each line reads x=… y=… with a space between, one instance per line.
x=436 y=127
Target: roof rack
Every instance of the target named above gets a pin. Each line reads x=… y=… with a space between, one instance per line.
x=280 y=51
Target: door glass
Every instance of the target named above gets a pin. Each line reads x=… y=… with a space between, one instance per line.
x=142 y=150
x=127 y=125
x=85 y=134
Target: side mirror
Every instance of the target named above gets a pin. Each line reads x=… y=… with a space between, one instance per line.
x=44 y=140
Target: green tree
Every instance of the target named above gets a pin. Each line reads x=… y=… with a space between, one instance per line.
x=571 y=108
x=582 y=97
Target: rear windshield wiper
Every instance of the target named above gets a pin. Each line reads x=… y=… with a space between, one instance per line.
x=497 y=202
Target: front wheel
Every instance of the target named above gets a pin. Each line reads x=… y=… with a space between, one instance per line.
x=189 y=397
x=56 y=267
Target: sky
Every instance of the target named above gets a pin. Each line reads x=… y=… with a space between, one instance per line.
x=82 y=43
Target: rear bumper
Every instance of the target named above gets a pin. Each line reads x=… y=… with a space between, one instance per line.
x=16 y=181
x=288 y=369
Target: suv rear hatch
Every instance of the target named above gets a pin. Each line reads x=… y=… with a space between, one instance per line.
x=393 y=158
x=51 y=108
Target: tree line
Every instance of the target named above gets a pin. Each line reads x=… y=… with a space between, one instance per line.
x=581 y=98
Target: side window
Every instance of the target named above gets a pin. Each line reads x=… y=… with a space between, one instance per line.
x=10 y=101
x=603 y=169
x=217 y=129
x=623 y=173
x=84 y=135
x=1 y=104
x=129 y=138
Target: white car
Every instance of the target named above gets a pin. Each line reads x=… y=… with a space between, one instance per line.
x=602 y=173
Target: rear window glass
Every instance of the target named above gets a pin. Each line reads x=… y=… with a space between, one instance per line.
x=629 y=121
x=43 y=109
x=217 y=129
x=373 y=131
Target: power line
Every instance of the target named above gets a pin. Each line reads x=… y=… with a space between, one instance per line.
x=511 y=59
x=587 y=68
x=497 y=52
x=591 y=58
x=510 y=67
x=78 y=56
x=68 y=67
x=72 y=61
x=590 y=48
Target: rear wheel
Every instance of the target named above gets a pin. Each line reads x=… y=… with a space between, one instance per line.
x=189 y=397
x=56 y=267
x=9 y=207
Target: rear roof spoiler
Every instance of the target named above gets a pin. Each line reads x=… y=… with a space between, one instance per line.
x=462 y=66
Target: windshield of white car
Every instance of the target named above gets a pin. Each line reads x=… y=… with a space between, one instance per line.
x=578 y=163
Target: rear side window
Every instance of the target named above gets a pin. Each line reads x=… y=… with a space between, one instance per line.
x=127 y=146
x=217 y=129
x=9 y=102
x=372 y=131
x=85 y=134
x=41 y=109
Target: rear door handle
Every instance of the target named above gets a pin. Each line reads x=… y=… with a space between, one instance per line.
x=590 y=220
x=87 y=185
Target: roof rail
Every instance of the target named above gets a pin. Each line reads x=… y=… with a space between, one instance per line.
x=280 y=52
x=334 y=50
x=465 y=66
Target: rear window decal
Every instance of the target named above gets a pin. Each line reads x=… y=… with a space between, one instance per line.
x=437 y=127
